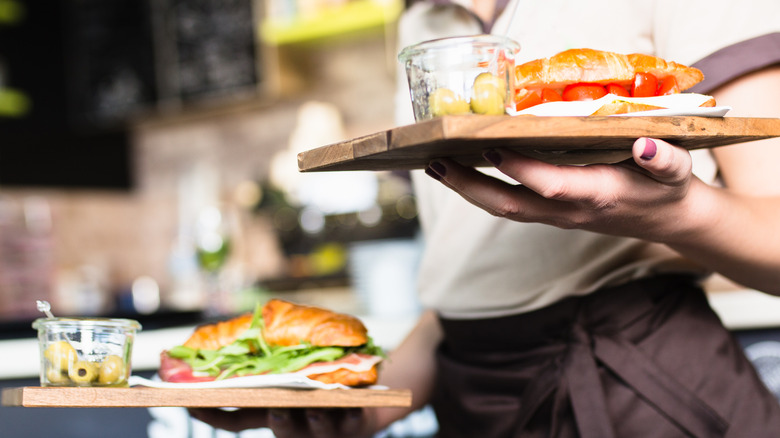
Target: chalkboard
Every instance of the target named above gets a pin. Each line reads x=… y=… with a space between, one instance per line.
x=90 y=66
x=66 y=140
x=110 y=60
x=206 y=48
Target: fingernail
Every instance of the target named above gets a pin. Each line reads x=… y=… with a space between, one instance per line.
x=650 y=150
x=493 y=157
x=436 y=170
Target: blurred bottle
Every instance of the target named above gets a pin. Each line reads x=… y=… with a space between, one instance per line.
x=215 y=231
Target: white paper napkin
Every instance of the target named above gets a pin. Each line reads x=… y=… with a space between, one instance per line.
x=261 y=381
x=682 y=104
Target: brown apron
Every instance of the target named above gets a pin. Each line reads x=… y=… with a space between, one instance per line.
x=645 y=359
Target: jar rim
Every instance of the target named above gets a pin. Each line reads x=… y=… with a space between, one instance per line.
x=450 y=42
x=70 y=322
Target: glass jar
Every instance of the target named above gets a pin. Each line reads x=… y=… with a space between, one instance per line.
x=85 y=351
x=461 y=75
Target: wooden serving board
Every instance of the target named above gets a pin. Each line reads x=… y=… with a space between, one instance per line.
x=142 y=397
x=560 y=140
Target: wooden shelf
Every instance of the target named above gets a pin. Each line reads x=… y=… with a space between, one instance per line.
x=353 y=16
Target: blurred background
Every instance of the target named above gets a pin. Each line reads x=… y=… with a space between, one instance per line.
x=148 y=151
x=148 y=170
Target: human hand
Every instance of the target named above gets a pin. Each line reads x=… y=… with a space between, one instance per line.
x=645 y=198
x=292 y=423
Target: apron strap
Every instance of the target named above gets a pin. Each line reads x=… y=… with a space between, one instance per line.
x=578 y=375
x=658 y=388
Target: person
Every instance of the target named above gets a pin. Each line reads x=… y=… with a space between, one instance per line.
x=566 y=301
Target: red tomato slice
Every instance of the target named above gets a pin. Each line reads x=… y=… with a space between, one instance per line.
x=550 y=95
x=583 y=91
x=617 y=90
x=645 y=85
x=668 y=86
x=525 y=98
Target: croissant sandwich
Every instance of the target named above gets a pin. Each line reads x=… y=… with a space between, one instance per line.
x=281 y=337
x=635 y=82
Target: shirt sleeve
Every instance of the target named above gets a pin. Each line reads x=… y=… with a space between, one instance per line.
x=723 y=39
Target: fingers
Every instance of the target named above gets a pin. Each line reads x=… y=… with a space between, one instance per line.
x=489 y=193
x=547 y=193
x=334 y=423
x=233 y=421
x=563 y=183
x=287 y=423
x=322 y=423
x=666 y=163
x=590 y=197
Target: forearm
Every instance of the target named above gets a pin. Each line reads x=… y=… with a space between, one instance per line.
x=732 y=234
x=411 y=365
x=734 y=230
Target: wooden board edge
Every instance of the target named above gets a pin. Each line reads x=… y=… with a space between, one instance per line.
x=324 y=157
x=138 y=397
x=12 y=397
x=691 y=132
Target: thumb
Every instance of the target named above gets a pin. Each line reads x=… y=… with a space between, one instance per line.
x=665 y=162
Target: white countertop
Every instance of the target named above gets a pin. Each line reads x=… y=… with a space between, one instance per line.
x=746 y=309
x=739 y=310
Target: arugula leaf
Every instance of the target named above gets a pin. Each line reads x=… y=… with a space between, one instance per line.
x=322 y=354
x=182 y=352
x=235 y=349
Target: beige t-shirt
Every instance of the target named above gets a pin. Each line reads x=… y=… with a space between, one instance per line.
x=476 y=265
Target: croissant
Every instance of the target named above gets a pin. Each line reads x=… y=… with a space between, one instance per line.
x=219 y=334
x=600 y=67
x=588 y=74
x=290 y=324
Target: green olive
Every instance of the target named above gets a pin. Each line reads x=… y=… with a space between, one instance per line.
x=56 y=377
x=112 y=370
x=487 y=99
x=444 y=101
x=60 y=354
x=489 y=78
x=83 y=371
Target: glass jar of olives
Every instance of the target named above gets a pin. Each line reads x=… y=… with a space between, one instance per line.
x=461 y=75
x=85 y=351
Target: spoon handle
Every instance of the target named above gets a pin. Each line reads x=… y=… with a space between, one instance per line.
x=45 y=307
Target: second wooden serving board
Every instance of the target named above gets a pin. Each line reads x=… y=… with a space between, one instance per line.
x=141 y=397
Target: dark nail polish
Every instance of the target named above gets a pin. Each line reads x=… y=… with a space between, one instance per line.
x=432 y=174
x=493 y=157
x=436 y=170
x=650 y=150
